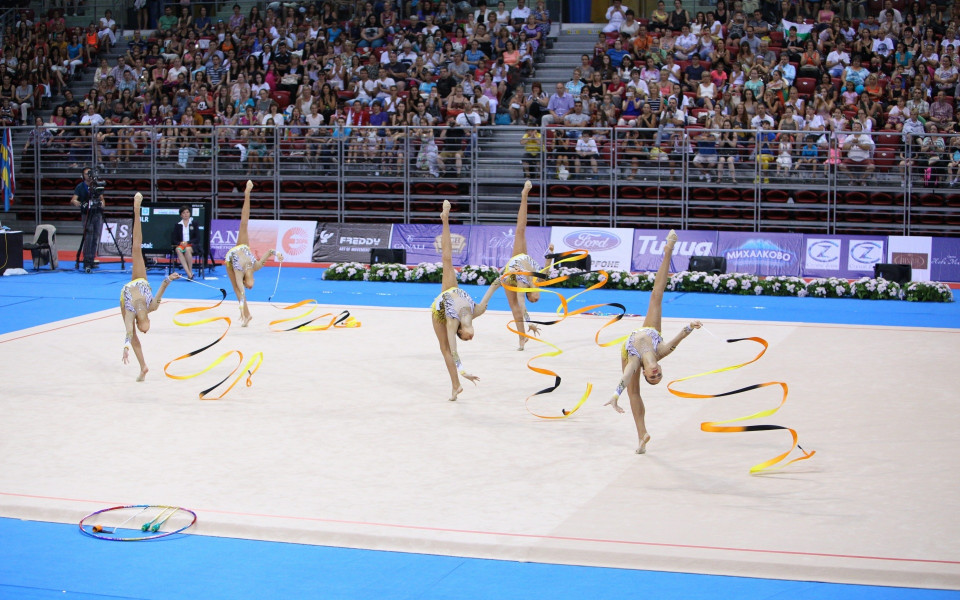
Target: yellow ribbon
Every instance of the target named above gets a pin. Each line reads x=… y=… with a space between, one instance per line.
x=721 y=427
x=343 y=319
x=540 y=283
x=250 y=368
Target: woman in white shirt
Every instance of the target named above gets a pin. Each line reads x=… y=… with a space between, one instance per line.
x=258 y=84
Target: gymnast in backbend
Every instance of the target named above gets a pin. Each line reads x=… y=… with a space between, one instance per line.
x=241 y=263
x=454 y=310
x=645 y=348
x=136 y=298
x=522 y=262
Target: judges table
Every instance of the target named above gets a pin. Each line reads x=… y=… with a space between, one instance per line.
x=11 y=250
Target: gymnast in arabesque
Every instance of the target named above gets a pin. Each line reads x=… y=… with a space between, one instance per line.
x=645 y=348
x=453 y=311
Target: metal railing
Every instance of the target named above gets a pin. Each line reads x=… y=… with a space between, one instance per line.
x=689 y=178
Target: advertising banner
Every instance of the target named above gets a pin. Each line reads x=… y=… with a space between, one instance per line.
x=609 y=248
x=913 y=251
x=761 y=254
x=492 y=245
x=845 y=256
x=292 y=238
x=349 y=242
x=945 y=260
x=648 y=248
x=123 y=230
x=422 y=242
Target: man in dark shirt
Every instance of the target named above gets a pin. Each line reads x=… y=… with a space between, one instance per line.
x=395 y=69
x=445 y=83
x=92 y=215
x=692 y=74
x=282 y=57
x=69 y=100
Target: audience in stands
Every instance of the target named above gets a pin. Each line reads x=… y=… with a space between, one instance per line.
x=823 y=69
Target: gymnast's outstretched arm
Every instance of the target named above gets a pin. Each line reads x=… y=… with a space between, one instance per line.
x=271 y=252
x=666 y=348
x=482 y=307
x=155 y=303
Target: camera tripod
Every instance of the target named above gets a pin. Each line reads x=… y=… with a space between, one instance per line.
x=88 y=268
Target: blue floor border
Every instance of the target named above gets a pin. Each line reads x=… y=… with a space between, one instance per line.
x=45 y=560
x=49 y=560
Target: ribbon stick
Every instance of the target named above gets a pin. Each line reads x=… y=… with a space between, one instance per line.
x=250 y=368
x=722 y=427
x=540 y=282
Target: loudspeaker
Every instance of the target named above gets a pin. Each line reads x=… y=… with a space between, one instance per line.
x=715 y=265
x=901 y=274
x=388 y=255
x=582 y=264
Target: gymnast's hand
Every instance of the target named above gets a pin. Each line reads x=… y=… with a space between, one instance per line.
x=534 y=329
x=470 y=377
x=173 y=276
x=696 y=324
x=614 y=403
x=249 y=186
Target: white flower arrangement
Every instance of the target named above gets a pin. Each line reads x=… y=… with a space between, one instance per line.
x=867 y=288
x=928 y=291
x=832 y=287
x=685 y=281
x=348 y=271
x=387 y=272
x=473 y=274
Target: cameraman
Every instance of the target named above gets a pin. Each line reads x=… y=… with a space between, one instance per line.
x=88 y=195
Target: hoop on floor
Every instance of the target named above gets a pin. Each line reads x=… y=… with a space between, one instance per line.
x=722 y=427
x=151 y=528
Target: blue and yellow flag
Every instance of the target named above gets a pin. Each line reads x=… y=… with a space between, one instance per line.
x=8 y=183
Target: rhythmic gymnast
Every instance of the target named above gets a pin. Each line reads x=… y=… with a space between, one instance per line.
x=240 y=259
x=454 y=310
x=136 y=298
x=521 y=261
x=645 y=348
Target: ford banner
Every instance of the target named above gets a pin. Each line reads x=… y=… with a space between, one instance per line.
x=422 y=242
x=609 y=248
x=648 y=248
x=845 y=256
x=761 y=254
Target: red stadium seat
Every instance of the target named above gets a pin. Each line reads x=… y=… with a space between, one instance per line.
x=282 y=98
x=806 y=86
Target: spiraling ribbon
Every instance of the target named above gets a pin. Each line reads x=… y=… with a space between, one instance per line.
x=343 y=319
x=722 y=427
x=541 y=281
x=250 y=368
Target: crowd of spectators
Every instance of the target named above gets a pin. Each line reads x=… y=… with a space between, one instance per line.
x=322 y=69
x=797 y=85
x=668 y=81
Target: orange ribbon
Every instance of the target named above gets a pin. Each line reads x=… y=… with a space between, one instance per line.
x=343 y=319
x=250 y=368
x=721 y=427
x=540 y=283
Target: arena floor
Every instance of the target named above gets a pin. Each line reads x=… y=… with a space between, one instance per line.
x=345 y=439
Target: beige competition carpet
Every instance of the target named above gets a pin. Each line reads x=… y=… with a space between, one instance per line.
x=346 y=438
